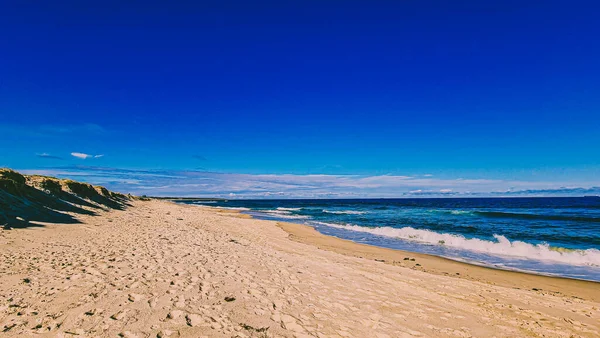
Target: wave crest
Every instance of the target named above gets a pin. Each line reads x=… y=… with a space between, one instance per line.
x=282 y=214
x=503 y=246
x=344 y=212
x=234 y=208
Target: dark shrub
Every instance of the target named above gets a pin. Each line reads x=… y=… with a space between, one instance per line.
x=13 y=176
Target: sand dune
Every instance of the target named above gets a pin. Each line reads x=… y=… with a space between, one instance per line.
x=159 y=269
x=27 y=200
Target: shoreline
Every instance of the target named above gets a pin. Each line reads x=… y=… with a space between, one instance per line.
x=445 y=266
x=438 y=265
x=540 y=260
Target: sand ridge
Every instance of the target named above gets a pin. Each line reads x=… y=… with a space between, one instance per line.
x=164 y=270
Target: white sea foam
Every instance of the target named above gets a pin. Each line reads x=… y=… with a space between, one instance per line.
x=282 y=214
x=234 y=208
x=289 y=209
x=276 y=212
x=294 y=216
x=460 y=212
x=453 y=212
x=503 y=247
x=344 y=212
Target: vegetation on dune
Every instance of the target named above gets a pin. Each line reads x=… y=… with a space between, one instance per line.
x=8 y=185
x=51 y=185
x=54 y=187
x=79 y=188
x=11 y=181
x=35 y=198
x=89 y=192
x=12 y=175
x=104 y=191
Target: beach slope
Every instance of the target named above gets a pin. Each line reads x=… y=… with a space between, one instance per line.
x=158 y=269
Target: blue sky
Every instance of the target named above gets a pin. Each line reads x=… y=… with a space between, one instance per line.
x=305 y=99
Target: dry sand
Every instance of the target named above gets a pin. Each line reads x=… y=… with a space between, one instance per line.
x=166 y=270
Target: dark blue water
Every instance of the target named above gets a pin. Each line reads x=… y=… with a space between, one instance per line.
x=554 y=236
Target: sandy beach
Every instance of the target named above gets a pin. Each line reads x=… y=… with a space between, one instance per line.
x=158 y=269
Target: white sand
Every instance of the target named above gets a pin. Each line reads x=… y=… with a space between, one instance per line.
x=165 y=269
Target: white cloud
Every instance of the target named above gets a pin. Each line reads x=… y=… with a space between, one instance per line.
x=84 y=156
x=48 y=156
x=81 y=155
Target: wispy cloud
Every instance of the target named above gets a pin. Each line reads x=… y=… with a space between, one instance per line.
x=200 y=157
x=48 y=156
x=229 y=185
x=84 y=156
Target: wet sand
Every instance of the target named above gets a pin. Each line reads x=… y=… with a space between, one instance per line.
x=447 y=267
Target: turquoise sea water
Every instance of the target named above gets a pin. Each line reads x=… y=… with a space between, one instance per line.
x=554 y=236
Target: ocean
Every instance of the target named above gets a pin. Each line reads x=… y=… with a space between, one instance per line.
x=550 y=236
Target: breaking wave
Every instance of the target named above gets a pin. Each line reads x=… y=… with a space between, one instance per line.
x=344 y=212
x=288 y=209
x=282 y=214
x=502 y=246
x=234 y=208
